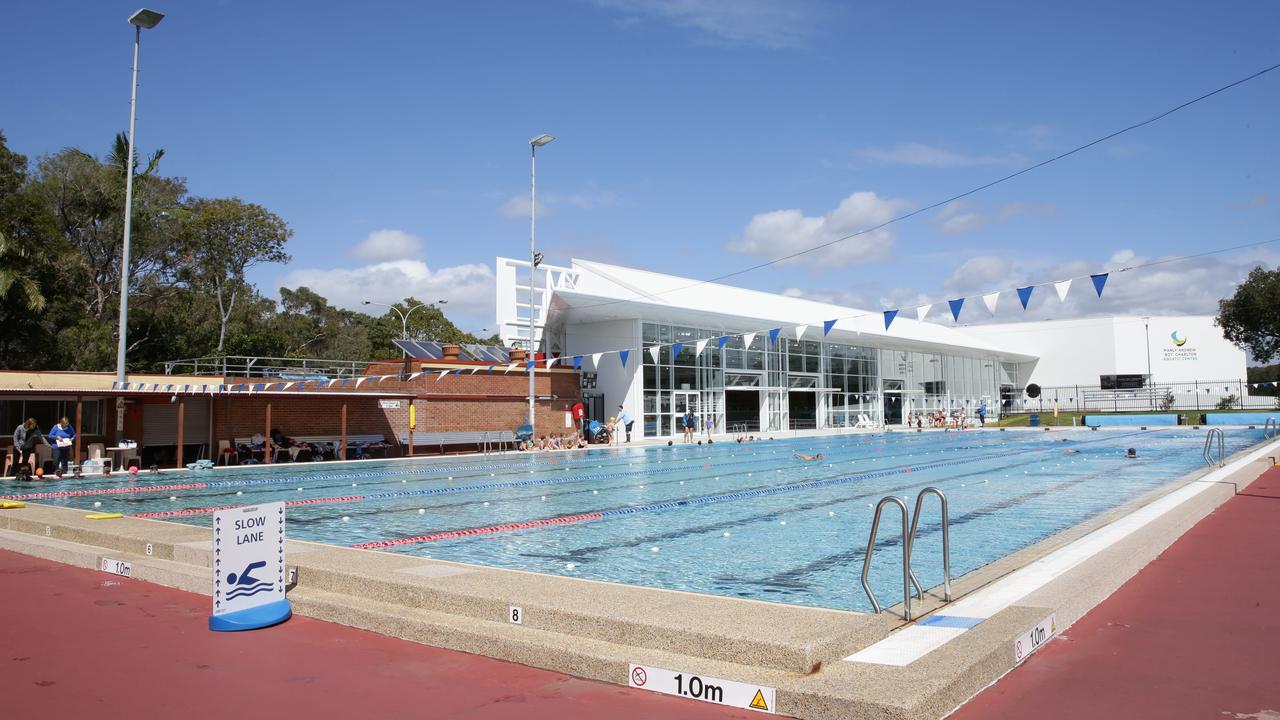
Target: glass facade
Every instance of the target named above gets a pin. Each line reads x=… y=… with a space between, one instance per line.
x=801 y=384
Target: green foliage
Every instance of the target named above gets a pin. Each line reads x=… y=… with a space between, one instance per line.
x=61 y=226
x=1251 y=317
x=1227 y=403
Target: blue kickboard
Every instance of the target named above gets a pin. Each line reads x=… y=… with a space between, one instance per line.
x=1259 y=418
x=1130 y=420
x=253 y=618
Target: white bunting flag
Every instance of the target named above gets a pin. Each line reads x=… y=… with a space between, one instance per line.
x=551 y=361
x=331 y=382
x=700 y=346
x=358 y=381
x=1062 y=288
x=800 y=330
x=653 y=351
x=511 y=367
x=923 y=310
x=595 y=360
x=287 y=386
x=441 y=375
x=414 y=376
x=475 y=370
x=990 y=301
x=747 y=339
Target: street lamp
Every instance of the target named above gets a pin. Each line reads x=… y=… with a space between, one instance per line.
x=404 y=317
x=534 y=258
x=144 y=18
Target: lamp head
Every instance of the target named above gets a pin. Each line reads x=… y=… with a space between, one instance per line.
x=145 y=18
x=541 y=140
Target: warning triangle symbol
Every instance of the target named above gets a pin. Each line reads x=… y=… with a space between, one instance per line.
x=758 y=702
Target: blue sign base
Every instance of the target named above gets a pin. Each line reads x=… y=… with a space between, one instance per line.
x=253 y=618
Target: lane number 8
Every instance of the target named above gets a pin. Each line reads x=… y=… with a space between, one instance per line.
x=516 y=616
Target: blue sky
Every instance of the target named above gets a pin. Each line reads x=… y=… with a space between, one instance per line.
x=694 y=137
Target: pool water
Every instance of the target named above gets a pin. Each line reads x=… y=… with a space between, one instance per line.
x=749 y=520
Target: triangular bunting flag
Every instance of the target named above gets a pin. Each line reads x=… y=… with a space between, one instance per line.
x=1099 y=281
x=653 y=352
x=595 y=360
x=530 y=364
x=748 y=339
x=826 y=326
x=577 y=362
x=551 y=361
x=414 y=376
x=366 y=377
x=622 y=355
x=773 y=336
x=287 y=386
x=476 y=369
x=923 y=310
x=724 y=340
x=800 y=331
x=990 y=301
x=458 y=371
x=1024 y=295
x=955 y=308
x=675 y=349
x=1062 y=288
x=889 y=315
x=699 y=346
x=441 y=375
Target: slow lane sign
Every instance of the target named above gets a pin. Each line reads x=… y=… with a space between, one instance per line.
x=248 y=568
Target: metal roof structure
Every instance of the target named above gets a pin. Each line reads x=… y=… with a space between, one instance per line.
x=432 y=350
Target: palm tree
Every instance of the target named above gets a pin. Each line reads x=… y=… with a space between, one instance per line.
x=16 y=282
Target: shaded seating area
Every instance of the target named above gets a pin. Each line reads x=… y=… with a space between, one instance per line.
x=305 y=448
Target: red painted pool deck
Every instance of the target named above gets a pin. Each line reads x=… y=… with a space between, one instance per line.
x=1195 y=634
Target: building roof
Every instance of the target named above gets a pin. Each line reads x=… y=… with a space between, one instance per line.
x=601 y=292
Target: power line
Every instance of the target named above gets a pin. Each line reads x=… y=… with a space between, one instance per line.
x=953 y=198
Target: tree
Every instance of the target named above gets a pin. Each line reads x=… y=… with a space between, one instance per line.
x=222 y=239
x=1251 y=317
x=425 y=323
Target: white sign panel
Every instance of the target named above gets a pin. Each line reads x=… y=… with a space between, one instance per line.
x=117 y=567
x=1031 y=640
x=248 y=557
x=389 y=404
x=701 y=687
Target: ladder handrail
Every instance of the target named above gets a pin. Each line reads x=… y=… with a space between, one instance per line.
x=906 y=557
x=1270 y=428
x=946 y=542
x=1208 y=447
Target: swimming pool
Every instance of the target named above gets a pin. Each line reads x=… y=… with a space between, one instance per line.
x=747 y=521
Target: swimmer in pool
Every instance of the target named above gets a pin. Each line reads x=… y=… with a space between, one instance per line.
x=1131 y=454
x=808 y=458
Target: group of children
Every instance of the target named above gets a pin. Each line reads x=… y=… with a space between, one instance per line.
x=955 y=420
x=565 y=441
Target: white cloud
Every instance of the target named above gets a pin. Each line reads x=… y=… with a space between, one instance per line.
x=468 y=288
x=844 y=297
x=772 y=24
x=980 y=274
x=517 y=206
x=784 y=232
x=959 y=217
x=921 y=155
x=384 y=245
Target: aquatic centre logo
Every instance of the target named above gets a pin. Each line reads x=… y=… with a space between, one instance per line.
x=1176 y=341
x=1179 y=351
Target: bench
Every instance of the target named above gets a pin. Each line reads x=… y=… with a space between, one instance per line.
x=323 y=441
x=485 y=440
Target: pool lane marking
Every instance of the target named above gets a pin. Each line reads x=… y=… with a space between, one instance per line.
x=915 y=641
x=687 y=502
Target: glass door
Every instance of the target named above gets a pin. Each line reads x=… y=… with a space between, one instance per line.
x=681 y=402
x=892 y=402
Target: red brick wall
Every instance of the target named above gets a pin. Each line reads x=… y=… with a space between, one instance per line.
x=465 y=402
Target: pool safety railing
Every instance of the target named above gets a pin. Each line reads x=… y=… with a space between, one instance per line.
x=1208 y=447
x=1270 y=428
x=906 y=557
x=946 y=542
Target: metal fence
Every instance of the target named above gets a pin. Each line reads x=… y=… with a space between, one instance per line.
x=1157 y=397
x=266 y=367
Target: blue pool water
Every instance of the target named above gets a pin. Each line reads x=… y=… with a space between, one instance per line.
x=739 y=520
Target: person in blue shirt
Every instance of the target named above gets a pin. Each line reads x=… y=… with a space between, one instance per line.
x=625 y=421
x=982 y=414
x=61 y=437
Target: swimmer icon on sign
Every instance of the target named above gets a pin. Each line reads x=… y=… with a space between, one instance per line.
x=245 y=584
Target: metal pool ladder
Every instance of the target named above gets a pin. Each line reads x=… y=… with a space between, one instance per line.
x=1270 y=428
x=1208 y=447
x=906 y=557
x=946 y=542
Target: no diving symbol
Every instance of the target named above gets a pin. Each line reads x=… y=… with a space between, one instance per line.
x=639 y=677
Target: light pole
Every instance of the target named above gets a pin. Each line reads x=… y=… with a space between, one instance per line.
x=142 y=19
x=404 y=317
x=534 y=144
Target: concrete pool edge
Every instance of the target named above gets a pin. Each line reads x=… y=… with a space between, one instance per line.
x=341 y=586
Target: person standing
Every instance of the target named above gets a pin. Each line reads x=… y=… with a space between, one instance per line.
x=63 y=435
x=982 y=414
x=710 y=425
x=25 y=437
x=625 y=421
x=690 y=425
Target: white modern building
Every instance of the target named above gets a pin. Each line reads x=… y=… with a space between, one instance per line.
x=808 y=378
